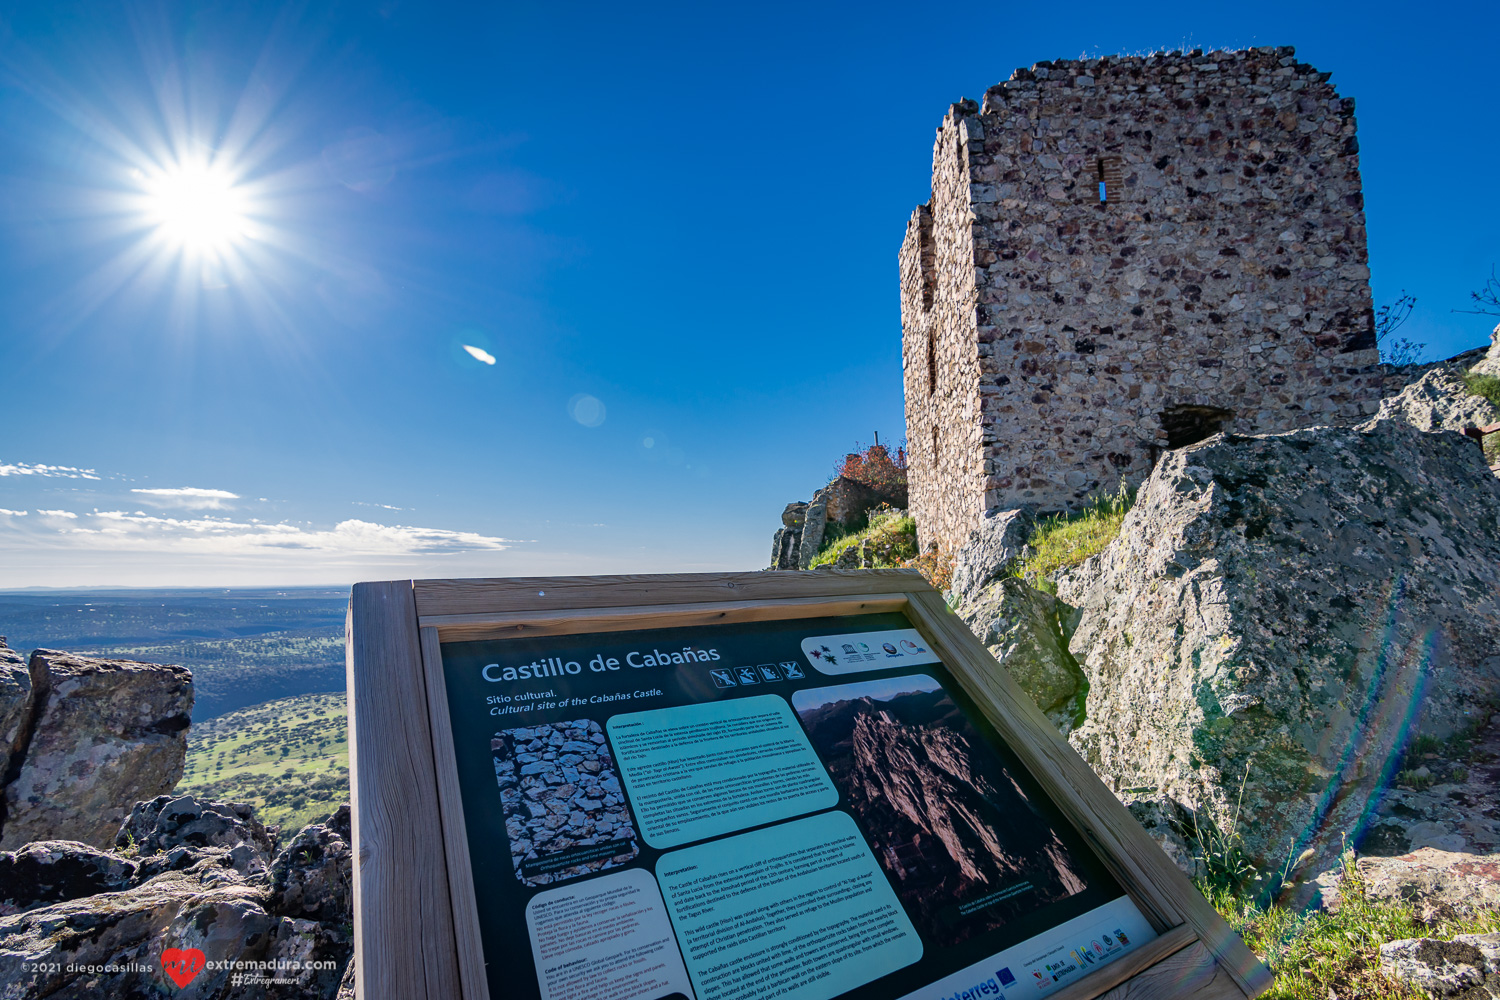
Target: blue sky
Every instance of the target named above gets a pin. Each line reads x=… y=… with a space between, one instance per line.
x=674 y=229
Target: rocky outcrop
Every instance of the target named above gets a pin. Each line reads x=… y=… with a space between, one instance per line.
x=1436 y=883
x=15 y=709
x=989 y=551
x=165 y=823
x=1439 y=401
x=1467 y=967
x=69 y=906
x=1022 y=627
x=97 y=735
x=1274 y=612
x=845 y=502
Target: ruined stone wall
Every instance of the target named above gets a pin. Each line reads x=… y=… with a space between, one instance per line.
x=1221 y=283
x=939 y=301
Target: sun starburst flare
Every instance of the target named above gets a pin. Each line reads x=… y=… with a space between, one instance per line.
x=196 y=208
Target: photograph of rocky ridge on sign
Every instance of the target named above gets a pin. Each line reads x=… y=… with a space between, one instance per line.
x=565 y=813
x=967 y=848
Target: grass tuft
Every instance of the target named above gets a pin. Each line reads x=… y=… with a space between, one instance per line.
x=1064 y=540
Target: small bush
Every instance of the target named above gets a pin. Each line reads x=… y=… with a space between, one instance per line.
x=877 y=468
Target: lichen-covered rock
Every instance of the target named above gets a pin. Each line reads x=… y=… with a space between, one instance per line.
x=1463 y=967
x=52 y=871
x=1021 y=627
x=1274 y=612
x=165 y=822
x=347 y=989
x=989 y=551
x=105 y=734
x=1442 y=881
x=15 y=704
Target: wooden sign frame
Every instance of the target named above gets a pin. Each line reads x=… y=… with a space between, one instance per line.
x=416 y=926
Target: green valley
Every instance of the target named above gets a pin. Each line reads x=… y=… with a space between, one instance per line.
x=288 y=757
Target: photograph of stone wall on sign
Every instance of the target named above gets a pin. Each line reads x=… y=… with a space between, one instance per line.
x=739 y=786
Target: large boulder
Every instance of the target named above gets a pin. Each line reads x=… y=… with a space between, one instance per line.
x=989 y=551
x=1279 y=613
x=96 y=924
x=15 y=706
x=102 y=734
x=1022 y=627
x=1465 y=968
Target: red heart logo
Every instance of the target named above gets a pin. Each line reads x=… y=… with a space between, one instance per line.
x=183 y=964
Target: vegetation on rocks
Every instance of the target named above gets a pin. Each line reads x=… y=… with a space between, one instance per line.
x=891 y=534
x=1335 y=953
x=1065 y=540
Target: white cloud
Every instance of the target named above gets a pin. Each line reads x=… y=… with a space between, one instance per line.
x=189 y=496
x=121 y=530
x=383 y=506
x=48 y=471
x=13 y=513
x=58 y=513
x=479 y=354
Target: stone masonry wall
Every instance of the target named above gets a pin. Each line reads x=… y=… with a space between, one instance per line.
x=1221 y=283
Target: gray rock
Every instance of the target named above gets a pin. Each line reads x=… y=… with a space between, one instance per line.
x=814 y=524
x=347 y=984
x=1443 y=882
x=1445 y=968
x=1274 y=607
x=52 y=871
x=1490 y=365
x=313 y=878
x=15 y=705
x=1022 y=629
x=989 y=551
x=106 y=733
x=1439 y=401
x=166 y=822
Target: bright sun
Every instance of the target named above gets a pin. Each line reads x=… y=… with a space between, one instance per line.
x=196 y=207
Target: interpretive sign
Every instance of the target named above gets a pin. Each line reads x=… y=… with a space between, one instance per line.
x=817 y=786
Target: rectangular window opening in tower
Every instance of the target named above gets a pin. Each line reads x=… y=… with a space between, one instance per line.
x=931 y=361
x=926 y=256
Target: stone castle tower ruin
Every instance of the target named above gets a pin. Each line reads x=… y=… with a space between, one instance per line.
x=1124 y=255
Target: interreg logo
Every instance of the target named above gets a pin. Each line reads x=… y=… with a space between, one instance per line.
x=987 y=990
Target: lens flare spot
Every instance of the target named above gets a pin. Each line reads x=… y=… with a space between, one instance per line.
x=586 y=409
